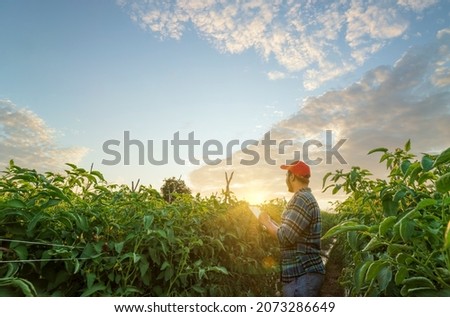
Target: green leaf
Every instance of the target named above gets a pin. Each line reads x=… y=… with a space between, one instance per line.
x=360 y=273
x=394 y=249
x=79 y=220
x=425 y=176
x=384 y=277
x=373 y=244
x=77 y=266
x=443 y=158
x=404 y=166
x=98 y=246
x=39 y=217
x=148 y=220
x=374 y=269
x=418 y=281
x=15 y=203
x=325 y=178
x=425 y=203
x=155 y=255
x=443 y=183
x=165 y=265
x=143 y=266
x=118 y=246
x=403 y=258
x=390 y=207
x=73 y=166
x=447 y=237
x=58 y=193
x=380 y=149
x=21 y=251
x=407 y=227
x=198 y=289
x=50 y=203
x=426 y=163
x=94 y=289
x=90 y=279
x=98 y=174
x=346 y=226
x=136 y=257
x=326 y=188
x=413 y=170
x=168 y=273
x=132 y=291
x=401 y=274
x=89 y=251
x=412 y=214
x=336 y=188
x=162 y=233
x=386 y=224
x=353 y=240
x=25 y=286
x=408 y=146
x=220 y=269
x=384 y=157
x=399 y=195
x=430 y=293
x=13 y=268
x=66 y=222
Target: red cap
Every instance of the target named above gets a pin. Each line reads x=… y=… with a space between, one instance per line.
x=298 y=168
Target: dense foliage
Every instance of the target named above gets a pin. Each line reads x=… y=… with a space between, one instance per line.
x=77 y=235
x=172 y=186
x=396 y=229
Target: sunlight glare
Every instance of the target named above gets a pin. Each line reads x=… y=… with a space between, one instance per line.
x=254 y=197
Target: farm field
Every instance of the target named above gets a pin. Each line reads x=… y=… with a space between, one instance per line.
x=77 y=235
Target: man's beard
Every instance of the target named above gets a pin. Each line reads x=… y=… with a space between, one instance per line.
x=290 y=187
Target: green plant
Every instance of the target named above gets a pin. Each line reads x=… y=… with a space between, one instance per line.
x=395 y=229
x=74 y=234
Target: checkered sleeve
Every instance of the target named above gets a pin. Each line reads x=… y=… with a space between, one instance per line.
x=296 y=221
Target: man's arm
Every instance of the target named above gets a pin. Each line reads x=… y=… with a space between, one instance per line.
x=270 y=225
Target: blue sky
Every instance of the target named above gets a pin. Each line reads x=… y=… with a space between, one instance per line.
x=75 y=74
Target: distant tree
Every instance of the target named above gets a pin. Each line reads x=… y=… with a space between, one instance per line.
x=173 y=186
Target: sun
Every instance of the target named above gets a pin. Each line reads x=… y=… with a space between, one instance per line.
x=254 y=197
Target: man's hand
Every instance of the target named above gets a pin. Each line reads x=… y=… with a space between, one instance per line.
x=264 y=218
x=267 y=223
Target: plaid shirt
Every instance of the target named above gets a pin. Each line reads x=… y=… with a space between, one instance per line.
x=299 y=236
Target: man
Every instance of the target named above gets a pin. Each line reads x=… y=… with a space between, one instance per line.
x=302 y=268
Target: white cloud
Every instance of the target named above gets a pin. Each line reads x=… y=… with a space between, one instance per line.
x=372 y=22
x=417 y=5
x=441 y=76
x=276 y=75
x=300 y=36
x=443 y=33
x=388 y=106
x=315 y=78
x=25 y=138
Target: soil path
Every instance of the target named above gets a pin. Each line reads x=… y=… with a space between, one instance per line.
x=334 y=266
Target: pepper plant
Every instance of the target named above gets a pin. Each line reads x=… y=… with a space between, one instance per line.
x=396 y=229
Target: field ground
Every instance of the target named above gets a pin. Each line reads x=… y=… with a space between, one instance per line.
x=331 y=286
x=332 y=251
